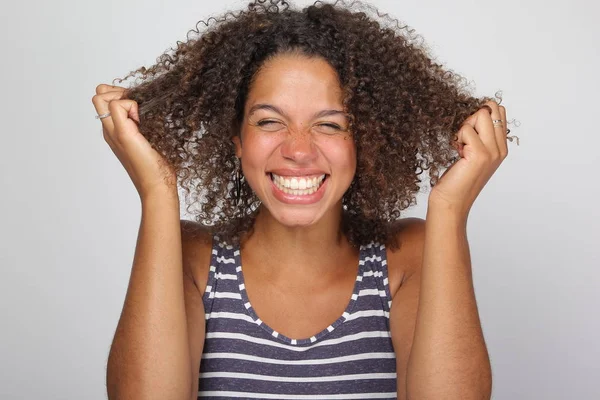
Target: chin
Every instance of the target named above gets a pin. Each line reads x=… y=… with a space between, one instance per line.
x=296 y=218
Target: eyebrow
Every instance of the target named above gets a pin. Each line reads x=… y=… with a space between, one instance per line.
x=318 y=114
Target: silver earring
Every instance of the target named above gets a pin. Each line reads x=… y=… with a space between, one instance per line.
x=237 y=182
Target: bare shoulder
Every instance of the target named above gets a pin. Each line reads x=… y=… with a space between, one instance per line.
x=405 y=260
x=196 y=243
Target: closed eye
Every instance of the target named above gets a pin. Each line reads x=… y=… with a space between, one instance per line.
x=333 y=126
x=267 y=122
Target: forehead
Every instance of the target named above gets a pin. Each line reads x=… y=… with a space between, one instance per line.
x=292 y=81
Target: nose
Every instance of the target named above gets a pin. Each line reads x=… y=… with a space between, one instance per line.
x=299 y=147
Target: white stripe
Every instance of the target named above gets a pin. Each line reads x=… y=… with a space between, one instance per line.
x=376 y=274
x=330 y=342
x=221 y=275
x=213 y=268
x=297 y=379
x=372 y=258
x=215 y=252
x=225 y=260
x=367 y=313
x=231 y=316
x=348 y=317
x=236 y=253
x=252 y=395
x=318 y=361
x=227 y=295
x=368 y=292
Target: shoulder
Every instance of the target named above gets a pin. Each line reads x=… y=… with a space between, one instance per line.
x=196 y=244
x=406 y=259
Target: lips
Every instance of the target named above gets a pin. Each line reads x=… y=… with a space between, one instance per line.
x=297 y=185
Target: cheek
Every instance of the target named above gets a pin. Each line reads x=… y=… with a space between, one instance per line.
x=257 y=148
x=344 y=156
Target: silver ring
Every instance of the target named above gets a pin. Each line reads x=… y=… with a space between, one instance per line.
x=103 y=115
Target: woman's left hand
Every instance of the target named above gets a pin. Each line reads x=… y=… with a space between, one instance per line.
x=482 y=148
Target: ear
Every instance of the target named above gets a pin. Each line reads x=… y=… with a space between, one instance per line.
x=238 y=145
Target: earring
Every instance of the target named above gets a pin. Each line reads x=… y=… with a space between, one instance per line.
x=237 y=182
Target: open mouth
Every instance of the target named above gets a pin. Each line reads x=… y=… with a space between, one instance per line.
x=298 y=185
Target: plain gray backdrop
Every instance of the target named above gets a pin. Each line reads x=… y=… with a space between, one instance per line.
x=70 y=213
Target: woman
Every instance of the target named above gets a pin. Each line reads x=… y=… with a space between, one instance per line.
x=302 y=135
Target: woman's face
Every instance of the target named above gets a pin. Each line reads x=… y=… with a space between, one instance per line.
x=296 y=152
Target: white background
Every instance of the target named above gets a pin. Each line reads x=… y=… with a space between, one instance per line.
x=70 y=214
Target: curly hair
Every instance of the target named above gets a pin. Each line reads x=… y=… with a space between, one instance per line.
x=404 y=108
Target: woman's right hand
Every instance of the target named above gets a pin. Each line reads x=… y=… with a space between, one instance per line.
x=148 y=170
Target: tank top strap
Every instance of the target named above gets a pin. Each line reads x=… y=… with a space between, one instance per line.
x=222 y=269
x=375 y=273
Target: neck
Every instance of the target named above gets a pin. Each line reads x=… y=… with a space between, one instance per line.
x=298 y=252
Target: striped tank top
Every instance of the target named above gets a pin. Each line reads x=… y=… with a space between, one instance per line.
x=243 y=357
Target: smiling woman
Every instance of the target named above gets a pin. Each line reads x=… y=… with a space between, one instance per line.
x=400 y=105
x=292 y=132
x=301 y=135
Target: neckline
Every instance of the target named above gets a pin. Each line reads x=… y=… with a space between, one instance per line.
x=318 y=336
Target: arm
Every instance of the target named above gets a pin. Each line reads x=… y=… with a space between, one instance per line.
x=150 y=353
x=448 y=358
x=435 y=324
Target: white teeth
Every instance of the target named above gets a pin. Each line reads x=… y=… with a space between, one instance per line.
x=295 y=183
x=298 y=186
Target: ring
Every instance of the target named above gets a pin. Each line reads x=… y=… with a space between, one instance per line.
x=103 y=115
x=497 y=122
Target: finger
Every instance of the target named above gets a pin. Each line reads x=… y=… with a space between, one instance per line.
x=481 y=121
x=103 y=88
x=502 y=140
x=122 y=112
x=101 y=102
x=470 y=141
x=499 y=128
